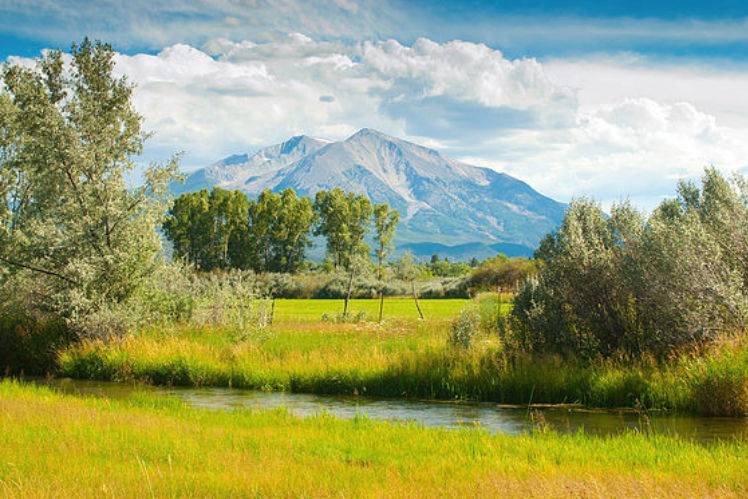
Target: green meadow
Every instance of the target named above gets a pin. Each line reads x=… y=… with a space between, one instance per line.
x=146 y=446
x=405 y=357
x=299 y=310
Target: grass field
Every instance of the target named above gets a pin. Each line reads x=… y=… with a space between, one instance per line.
x=407 y=358
x=298 y=310
x=64 y=446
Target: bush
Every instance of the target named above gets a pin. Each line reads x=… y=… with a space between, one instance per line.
x=500 y=271
x=626 y=283
x=30 y=340
x=465 y=327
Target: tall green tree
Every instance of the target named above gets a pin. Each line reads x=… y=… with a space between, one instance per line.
x=385 y=225
x=343 y=218
x=279 y=228
x=209 y=229
x=68 y=136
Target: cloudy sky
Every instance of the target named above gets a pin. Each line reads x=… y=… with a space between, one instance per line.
x=612 y=101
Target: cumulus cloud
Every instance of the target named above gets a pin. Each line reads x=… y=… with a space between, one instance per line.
x=613 y=133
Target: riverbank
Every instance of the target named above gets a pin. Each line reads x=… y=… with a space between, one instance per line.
x=410 y=358
x=70 y=446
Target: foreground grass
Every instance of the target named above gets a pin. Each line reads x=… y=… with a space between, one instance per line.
x=55 y=445
x=411 y=360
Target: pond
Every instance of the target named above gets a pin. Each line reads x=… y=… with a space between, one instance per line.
x=448 y=414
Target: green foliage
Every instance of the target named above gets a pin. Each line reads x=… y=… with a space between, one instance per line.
x=445 y=268
x=343 y=218
x=208 y=229
x=67 y=217
x=30 y=341
x=465 y=327
x=385 y=224
x=626 y=283
x=500 y=272
x=279 y=227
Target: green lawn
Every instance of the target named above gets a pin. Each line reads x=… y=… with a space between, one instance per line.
x=146 y=446
x=300 y=310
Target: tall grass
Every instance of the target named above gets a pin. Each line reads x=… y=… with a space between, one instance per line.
x=413 y=359
x=146 y=446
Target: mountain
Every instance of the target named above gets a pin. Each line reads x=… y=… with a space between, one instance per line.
x=242 y=171
x=455 y=207
x=466 y=251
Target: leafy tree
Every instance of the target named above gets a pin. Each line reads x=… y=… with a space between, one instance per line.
x=385 y=224
x=502 y=272
x=185 y=227
x=343 y=219
x=626 y=283
x=445 y=268
x=279 y=226
x=209 y=230
x=68 y=134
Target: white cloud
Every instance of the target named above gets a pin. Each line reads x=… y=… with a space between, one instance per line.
x=609 y=126
x=463 y=71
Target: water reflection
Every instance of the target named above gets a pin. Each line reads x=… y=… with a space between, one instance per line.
x=493 y=417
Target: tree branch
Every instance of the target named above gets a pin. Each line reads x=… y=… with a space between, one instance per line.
x=37 y=269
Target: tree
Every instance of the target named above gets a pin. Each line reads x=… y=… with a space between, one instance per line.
x=67 y=138
x=209 y=230
x=343 y=218
x=628 y=283
x=279 y=226
x=407 y=270
x=185 y=227
x=385 y=224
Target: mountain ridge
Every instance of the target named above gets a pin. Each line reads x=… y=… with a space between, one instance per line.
x=441 y=200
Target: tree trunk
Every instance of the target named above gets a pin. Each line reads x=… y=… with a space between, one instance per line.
x=381 y=302
x=498 y=302
x=381 y=292
x=348 y=294
x=415 y=298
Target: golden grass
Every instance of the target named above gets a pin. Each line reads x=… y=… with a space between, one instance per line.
x=62 y=446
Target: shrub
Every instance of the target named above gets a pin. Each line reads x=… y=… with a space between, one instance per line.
x=623 y=282
x=500 y=271
x=30 y=339
x=465 y=327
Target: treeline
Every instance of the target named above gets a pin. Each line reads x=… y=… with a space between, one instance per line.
x=222 y=229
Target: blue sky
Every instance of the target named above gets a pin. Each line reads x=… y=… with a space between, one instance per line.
x=606 y=99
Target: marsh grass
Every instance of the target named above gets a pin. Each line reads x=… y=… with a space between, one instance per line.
x=412 y=358
x=65 y=446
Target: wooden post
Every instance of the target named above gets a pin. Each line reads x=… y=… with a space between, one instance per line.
x=415 y=297
x=348 y=294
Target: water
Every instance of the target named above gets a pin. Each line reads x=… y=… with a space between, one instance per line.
x=492 y=417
